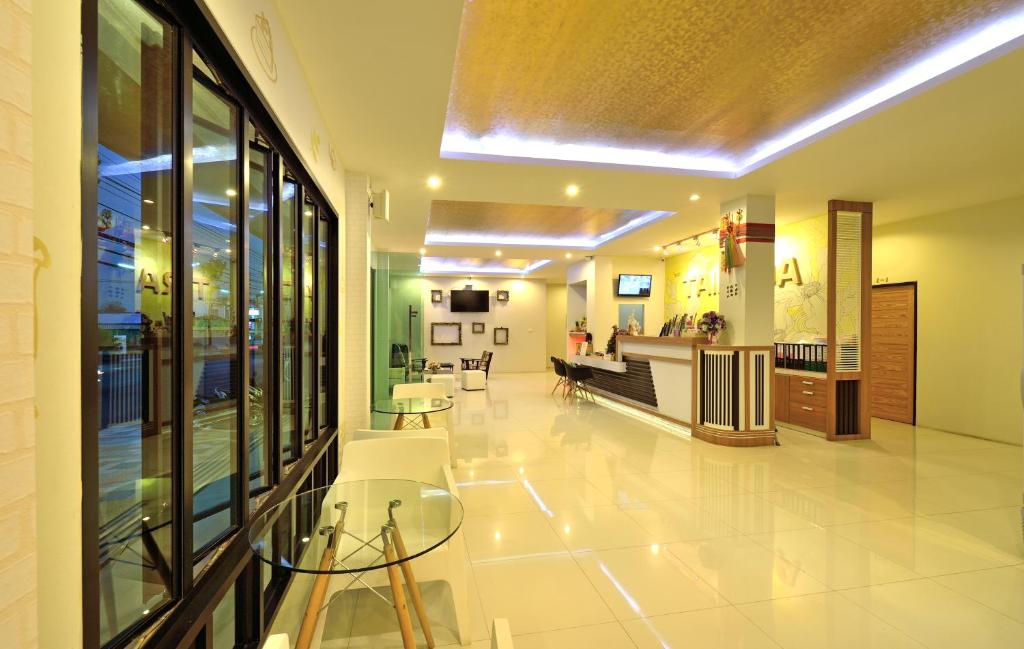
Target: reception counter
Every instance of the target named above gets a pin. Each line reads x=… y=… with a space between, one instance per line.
x=723 y=394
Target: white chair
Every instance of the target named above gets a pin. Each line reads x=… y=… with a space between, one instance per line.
x=424 y=460
x=447 y=380
x=279 y=641
x=501 y=635
x=406 y=433
x=438 y=420
x=474 y=380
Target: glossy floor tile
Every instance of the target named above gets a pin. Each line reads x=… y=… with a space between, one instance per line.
x=588 y=528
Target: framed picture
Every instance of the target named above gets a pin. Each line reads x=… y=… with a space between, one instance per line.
x=501 y=335
x=436 y=296
x=631 y=313
x=502 y=296
x=478 y=327
x=445 y=333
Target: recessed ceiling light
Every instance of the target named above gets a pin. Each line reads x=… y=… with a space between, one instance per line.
x=572 y=189
x=232 y=193
x=657 y=248
x=147 y=201
x=228 y=250
x=434 y=182
x=694 y=197
x=423 y=251
x=568 y=255
x=308 y=212
x=497 y=253
x=145 y=227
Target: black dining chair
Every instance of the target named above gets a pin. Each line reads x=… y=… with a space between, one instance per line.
x=560 y=373
x=579 y=375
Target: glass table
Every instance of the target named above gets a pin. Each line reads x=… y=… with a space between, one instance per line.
x=411 y=413
x=341 y=532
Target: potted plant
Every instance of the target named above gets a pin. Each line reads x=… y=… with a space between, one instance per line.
x=711 y=324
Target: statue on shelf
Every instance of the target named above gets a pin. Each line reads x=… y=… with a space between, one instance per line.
x=633 y=325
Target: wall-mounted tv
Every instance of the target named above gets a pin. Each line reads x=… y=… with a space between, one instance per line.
x=470 y=301
x=634 y=286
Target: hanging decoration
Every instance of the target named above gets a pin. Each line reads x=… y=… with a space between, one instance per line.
x=731 y=254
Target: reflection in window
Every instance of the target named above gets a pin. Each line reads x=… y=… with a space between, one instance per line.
x=259 y=275
x=134 y=223
x=289 y=333
x=215 y=314
x=321 y=308
x=309 y=362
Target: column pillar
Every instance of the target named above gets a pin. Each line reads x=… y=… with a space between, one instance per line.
x=747 y=293
x=355 y=321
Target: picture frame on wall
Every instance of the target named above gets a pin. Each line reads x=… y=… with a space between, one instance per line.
x=478 y=327
x=436 y=296
x=445 y=333
x=501 y=296
x=501 y=335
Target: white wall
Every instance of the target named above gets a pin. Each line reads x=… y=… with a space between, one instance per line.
x=557 y=322
x=523 y=314
x=18 y=452
x=601 y=274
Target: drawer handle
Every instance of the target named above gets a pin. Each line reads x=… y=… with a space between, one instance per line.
x=808 y=392
x=807 y=382
x=807 y=408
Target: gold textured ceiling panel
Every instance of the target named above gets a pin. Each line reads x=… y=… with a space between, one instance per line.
x=513 y=219
x=683 y=75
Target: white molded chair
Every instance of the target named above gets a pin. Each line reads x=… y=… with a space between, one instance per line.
x=438 y=420
x=277 y=641
x=501 y=635
x=425 y=460
x=431 y=433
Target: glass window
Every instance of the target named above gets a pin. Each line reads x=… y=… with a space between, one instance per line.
x=289 y=328
x=309 y=361
x=259 y=277
x=321 y=321
x=135 y=233
x=215 y=377
x=223 y=621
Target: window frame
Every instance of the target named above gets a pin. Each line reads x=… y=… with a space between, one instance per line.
x=185 y=618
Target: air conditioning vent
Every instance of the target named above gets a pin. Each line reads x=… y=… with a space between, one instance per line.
x=380 y=205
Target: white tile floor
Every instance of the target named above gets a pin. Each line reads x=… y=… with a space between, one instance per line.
x=586 y=529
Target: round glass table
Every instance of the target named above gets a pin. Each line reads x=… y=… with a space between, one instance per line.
x=341 y=532
x=411 y=413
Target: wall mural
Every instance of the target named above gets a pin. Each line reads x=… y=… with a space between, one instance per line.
x=263 y=44
x=801 y=280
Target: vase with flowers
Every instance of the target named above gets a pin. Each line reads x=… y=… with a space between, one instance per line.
x=711 y=324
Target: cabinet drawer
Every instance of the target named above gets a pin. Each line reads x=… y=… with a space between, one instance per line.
x=808 y=396
x=798 y=382
x=810 y=416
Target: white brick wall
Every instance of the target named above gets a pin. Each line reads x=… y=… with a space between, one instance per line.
x=355 y=361
x=18 y=625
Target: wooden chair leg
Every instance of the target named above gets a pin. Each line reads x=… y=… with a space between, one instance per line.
x=397 y=591
x=414 y=588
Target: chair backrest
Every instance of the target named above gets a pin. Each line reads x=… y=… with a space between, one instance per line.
x=419 y=391
x=559 y=366
x=279 y=641
x=579 y=372
x=403 y=458
x=501 y=635
x=485 y=362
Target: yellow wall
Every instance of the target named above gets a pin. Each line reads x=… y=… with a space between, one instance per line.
x=801 y=310
x=691 y=282
x=557 y=326
x=968 y=267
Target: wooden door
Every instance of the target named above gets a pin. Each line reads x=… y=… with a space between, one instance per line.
x=894 y=352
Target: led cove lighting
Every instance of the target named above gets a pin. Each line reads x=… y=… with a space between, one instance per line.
x=944 y=60
x=432 y=265
x=484 y=238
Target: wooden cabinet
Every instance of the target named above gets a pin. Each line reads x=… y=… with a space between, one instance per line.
x=801 y=400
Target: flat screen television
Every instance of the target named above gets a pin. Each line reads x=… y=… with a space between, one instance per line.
x=634 y=286
x=469 y=301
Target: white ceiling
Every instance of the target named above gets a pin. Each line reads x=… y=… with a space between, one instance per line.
x=381 y=72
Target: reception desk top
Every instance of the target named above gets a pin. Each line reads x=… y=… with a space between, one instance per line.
x=599 y=363
x=662 y=340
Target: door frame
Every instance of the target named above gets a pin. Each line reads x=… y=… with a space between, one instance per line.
x=914 y=285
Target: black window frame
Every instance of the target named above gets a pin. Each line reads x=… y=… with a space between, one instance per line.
x=185 y=620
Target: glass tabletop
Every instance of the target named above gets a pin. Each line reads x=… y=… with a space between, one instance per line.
x=417 y=406
x=338 y=529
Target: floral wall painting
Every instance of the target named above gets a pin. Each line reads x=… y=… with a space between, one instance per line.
x=631 y=318
x=801 y=281
x=263 y=44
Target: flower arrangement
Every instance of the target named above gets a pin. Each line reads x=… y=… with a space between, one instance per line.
x=433 y=366
x=712 y=324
